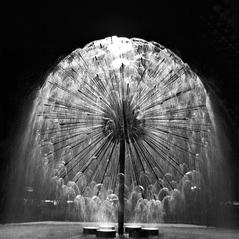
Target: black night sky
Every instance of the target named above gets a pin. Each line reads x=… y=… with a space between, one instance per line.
x=34 y=38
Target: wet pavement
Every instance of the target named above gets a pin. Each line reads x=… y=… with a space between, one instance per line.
x=74 y=230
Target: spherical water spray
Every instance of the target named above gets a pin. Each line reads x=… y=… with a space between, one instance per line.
x=123 y=107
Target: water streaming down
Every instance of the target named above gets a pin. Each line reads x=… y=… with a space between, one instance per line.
x=69 y=162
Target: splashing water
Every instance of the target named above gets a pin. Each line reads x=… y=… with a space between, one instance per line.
x=70 y=152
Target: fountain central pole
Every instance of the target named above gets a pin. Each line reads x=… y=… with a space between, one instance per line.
x=121 y=188
x=123 y=139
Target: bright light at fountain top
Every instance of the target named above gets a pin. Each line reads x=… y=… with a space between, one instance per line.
x=79 y=115
x=120 y=47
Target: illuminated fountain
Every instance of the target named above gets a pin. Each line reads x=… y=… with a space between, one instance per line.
x=123 y=130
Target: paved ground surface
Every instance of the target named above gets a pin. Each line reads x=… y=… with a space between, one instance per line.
x=69 y=230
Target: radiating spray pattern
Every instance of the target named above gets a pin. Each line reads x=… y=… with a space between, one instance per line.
x=77 y=124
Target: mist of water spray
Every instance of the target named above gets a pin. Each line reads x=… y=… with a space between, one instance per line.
x=68 y=165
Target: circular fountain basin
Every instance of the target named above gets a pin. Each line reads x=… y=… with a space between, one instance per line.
x=90 y=230
x=149 y=231
x=133 y=230
x=106 y=233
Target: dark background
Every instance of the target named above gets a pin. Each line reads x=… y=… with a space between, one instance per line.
x=35 y=37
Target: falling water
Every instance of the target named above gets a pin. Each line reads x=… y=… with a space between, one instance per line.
x=68 y=165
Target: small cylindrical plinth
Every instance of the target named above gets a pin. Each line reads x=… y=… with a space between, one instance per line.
x=133 y=230
x=107 y=226
x=130 y=228
x=150 y=231
x=106 y=233
x=90 y=230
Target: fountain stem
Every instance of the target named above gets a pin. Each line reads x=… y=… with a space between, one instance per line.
x=121 y=174
x=121 y=189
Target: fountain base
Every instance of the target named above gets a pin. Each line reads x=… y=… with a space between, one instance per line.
x=149 y=231
x=133 y=230
x=106 y=233
x=90 y=230
x=106 y=226
x=57 y=229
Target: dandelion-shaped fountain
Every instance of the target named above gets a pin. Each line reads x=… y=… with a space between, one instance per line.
x=123 y=128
